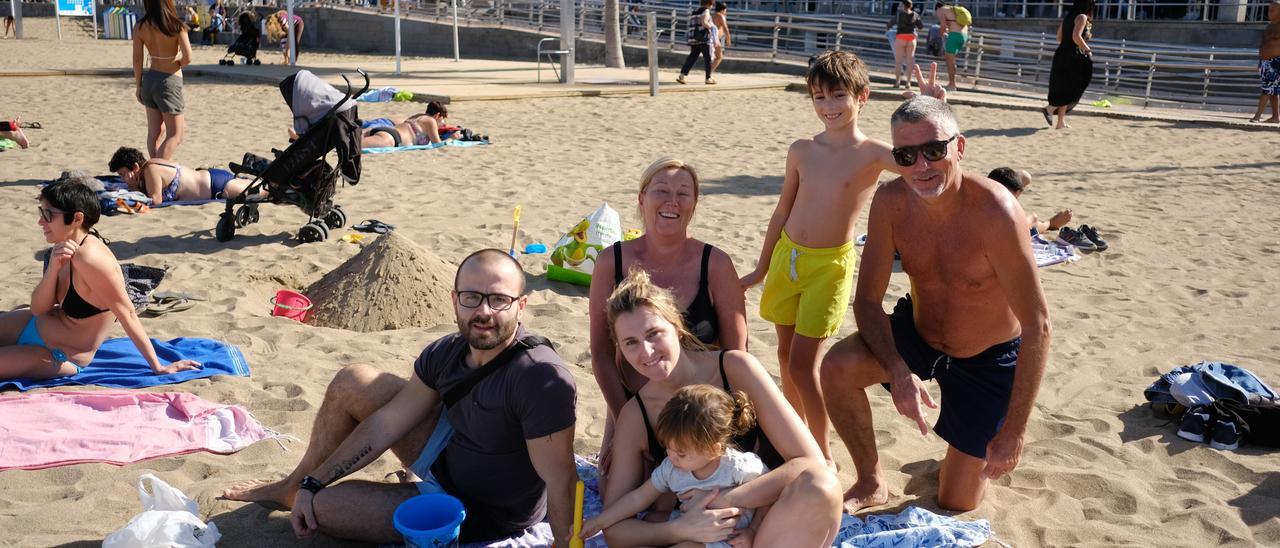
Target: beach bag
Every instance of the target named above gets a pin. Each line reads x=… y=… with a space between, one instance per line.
x=168 y=520
x=697 y=34
x=1259 y=422
x=934 y=42
x=574 y=256
x=962 y=16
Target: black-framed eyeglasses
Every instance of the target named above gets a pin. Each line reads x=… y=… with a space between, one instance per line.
x=497 y=301
x=933 y=151
x=46 y=214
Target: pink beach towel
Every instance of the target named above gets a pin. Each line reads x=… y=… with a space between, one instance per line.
x=118 y=427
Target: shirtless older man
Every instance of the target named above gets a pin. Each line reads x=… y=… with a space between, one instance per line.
x=976 y=319
x=1269 y=66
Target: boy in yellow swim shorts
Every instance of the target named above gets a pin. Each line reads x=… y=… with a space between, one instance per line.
x=808 y=252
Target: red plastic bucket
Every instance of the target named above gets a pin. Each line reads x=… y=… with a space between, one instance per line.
x=290 y=304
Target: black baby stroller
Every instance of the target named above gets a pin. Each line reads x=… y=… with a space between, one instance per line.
x=325 y=120
x=246 y=45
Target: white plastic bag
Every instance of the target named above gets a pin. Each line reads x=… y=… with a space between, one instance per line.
x=574 y=256
x=168 y=519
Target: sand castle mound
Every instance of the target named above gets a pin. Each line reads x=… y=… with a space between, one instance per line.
x=391 y=284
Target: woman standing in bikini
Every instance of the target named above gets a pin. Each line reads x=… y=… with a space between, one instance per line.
x=161 y=33
x=78 y=299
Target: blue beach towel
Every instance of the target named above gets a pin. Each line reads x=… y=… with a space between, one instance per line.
x=119 y=365
x=911 y=527
x=441 y=144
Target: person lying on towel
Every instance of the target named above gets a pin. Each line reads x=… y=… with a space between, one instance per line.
x=417 y=130
x=166 y=181
x=79 y=297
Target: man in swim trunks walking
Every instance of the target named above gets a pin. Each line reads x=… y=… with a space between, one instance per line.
x=955 y=36
x=975 y=321
x=1269 y=66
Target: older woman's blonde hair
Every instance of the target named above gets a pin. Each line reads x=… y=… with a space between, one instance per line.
x=638 y=292
x=663 y=164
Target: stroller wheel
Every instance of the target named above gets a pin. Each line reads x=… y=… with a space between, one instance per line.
x=313 y=232
x=226 y=229
x=257 y=62
x=246 y=215
x=337 y=218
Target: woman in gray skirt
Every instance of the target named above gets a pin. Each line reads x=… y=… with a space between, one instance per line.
x=161 y=33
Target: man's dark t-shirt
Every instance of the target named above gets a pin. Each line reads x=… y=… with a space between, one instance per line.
x=486 y=463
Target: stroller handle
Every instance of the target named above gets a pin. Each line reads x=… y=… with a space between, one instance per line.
x=348 y=94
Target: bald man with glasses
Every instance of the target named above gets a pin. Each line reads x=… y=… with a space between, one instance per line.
x=975 y=320
x=503 y=445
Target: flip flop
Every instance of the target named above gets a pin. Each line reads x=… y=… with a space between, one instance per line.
x=167 y=304
x=1048 y=118
x=373 y=225
x=30 y=125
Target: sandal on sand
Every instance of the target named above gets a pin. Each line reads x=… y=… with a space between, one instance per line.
x=30 y=125
x=1048 y=118
x=164 y=303
x=373 y=225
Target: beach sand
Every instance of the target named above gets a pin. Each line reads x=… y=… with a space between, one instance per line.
x=1189 y=212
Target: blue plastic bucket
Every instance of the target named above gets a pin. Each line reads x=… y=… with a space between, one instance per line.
x=430 y=521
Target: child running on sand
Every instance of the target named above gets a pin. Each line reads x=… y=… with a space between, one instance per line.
x=808 y=250
x=695 y=426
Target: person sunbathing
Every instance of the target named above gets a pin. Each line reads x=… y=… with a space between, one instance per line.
x=419 y=129
x=78 y=299
x=12 y=129
x=1017 y=182
x=166 y=182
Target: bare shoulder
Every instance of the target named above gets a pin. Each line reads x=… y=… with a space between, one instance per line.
x=890 y=193
x=801 y=146
x=96 y=256
x=740 y=365
x=987 y=193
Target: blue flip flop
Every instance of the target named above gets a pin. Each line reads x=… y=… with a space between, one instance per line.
x=374 y=226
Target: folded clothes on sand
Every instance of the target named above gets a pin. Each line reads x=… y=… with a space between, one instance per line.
x=118 y=364
x=118 y=427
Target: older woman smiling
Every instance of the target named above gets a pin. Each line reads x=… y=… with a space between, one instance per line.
x=702 y=278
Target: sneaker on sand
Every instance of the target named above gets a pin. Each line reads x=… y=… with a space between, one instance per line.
x=1073 y=237
x=1226 y=435
x=680 y=79
x=1195 y=425
x=711 y=81
x=1092 y=234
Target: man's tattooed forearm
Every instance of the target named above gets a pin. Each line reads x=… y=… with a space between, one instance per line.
x=345 y=466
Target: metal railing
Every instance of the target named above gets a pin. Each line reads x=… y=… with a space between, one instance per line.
x=1145 y=73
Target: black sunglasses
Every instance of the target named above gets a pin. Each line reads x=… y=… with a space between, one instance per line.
x=497 y=301
x=933 y=151
x=45 y=214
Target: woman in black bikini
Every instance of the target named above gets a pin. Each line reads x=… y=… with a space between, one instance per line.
x=804 y=494
x=702 y=278
x=80 y=296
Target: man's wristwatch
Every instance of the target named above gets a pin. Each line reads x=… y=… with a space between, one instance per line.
x=311 y=484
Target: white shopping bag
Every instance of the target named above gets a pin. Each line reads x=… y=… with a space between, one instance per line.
x=574 y=256
x=168 y=519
